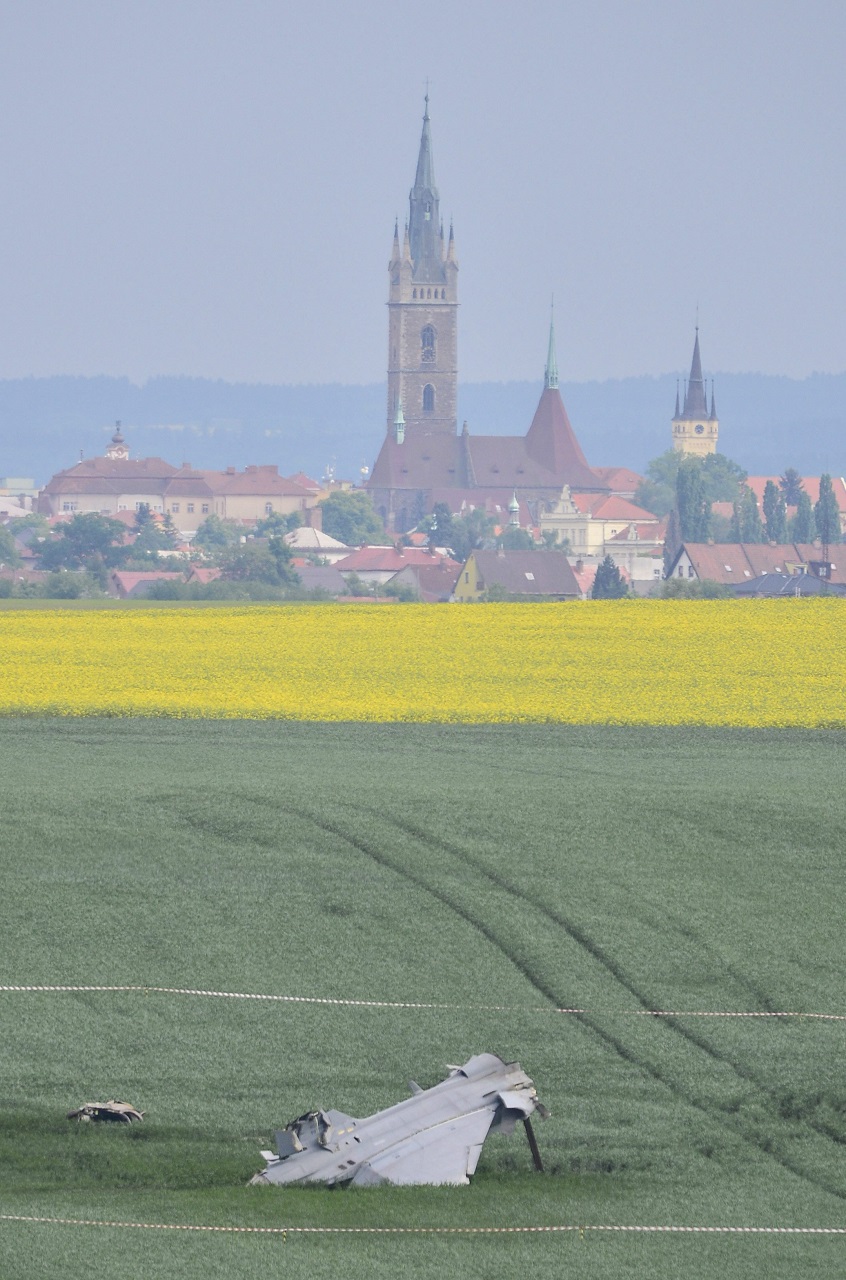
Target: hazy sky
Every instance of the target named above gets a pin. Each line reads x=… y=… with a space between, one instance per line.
x=208 y=186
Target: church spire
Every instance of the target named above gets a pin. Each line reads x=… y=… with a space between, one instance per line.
x=695 y=402
x=551 y=374
x=424 y=215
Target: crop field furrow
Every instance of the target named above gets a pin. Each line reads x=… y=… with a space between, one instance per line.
x=772 y=1104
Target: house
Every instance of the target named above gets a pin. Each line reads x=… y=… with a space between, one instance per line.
x=733 y=563
x=589 y=521
x=530 y=575
x=377 y=565
x=133 y=585
x=430 y=583
x=771 y=585
x=117 y=483
x=307 y=540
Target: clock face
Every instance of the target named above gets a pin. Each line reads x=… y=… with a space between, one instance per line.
x=699 y=430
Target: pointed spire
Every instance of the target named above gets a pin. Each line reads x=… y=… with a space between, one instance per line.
x=424 y=217
x=451 y=244
x=406 y=246
x=713 y=403
x=695 y=403
x=395 y=251
x=551 y=374
x=399 y=423
x=676 y=414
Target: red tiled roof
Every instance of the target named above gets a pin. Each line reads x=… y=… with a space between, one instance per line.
x=811 y=485
x=602 y=507
x=384 y=559
x=619 y=479
x=729 y=562
x=434 y=583
x=254 y=480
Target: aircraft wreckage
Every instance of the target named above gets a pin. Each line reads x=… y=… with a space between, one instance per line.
x=432 y=1138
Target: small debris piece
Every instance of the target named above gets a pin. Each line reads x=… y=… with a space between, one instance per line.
x=123 y=1112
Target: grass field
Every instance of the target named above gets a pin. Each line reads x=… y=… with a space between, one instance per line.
x=612 y=869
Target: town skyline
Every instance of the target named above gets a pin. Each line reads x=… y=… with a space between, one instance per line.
x=213 y=193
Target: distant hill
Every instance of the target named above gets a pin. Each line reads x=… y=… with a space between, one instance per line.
x=766 y=423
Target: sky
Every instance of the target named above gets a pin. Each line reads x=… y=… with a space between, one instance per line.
x=208 y=187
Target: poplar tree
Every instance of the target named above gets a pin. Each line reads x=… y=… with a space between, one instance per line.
x=803 y=527
x=691 y=502
x=827 y=513
x=775 y=513
x=751 y=525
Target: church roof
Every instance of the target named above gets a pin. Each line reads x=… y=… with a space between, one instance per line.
x=551 y=442
x=424 y=229
x=695 y=400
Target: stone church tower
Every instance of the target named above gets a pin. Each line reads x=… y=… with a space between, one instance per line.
x=423 y=312
x=695 y=430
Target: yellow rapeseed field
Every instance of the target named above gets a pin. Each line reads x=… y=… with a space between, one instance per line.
x=653 y=662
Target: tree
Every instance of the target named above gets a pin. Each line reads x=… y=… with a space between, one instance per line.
x=349 y=516
x=827 y=513
x=254 y=562
x=439 y=525
x=775 y=513
x=277 y=525
x=692 y=503
x=791 y=486
x=8 y=551
x=721 y=478
x=214 y=535
x=672 y=540
x=88 y=541
x=609 y=583
x=469 y=532
x=750 y=527
x=515 y=539
x=802 y=525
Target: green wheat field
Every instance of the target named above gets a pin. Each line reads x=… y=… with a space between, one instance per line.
x=529 y=867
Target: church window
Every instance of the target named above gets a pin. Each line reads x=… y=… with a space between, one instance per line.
x=428 y=293
x=414 y=293
x=427 y=342
x=443 y=293
x=428 y=398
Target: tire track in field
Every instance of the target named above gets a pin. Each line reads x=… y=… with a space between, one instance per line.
x=578 y=935
x=617 y=972
x=378 y=855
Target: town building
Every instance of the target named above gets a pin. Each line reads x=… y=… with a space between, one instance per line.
x=526 y=575
x=424 y=459
x=696 y=428
x=117 y=482
x=734 y=563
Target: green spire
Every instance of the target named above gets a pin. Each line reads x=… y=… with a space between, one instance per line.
x=551 y=375
x=399 y=423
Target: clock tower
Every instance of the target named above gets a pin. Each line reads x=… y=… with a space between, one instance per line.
x=695 y=429
x=423 y=310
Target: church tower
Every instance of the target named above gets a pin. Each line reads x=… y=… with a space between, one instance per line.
x=423 y=311
x=695 y=430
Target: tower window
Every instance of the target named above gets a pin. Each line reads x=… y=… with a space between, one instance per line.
x=428 y=293
x=427 y=342
x=443 y=293
x=414 y=293
x=428 y=398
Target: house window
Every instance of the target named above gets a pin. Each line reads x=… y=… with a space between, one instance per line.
x=205 y=508
x=190 y=508
x=681 y=570
x=467 y=577
x=268 y=508
x=69 y=506
x=174 y=506
x=427 y=342
x=690 y=570
x=428 y=398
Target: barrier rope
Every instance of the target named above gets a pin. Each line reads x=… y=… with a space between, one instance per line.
x=582 y=1229
x=419 y=1004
